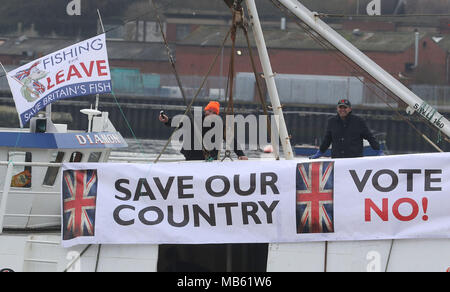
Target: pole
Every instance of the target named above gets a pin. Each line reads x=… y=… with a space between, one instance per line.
x=3 y=68
x=269 y=78
x=6 y=188
x=101 y=22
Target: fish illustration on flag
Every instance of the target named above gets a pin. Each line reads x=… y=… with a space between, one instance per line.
x=314 y=197
x=79 y=192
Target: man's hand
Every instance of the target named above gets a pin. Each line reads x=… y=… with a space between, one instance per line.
x=243 y=158
x=317 y=155
x=163 y=118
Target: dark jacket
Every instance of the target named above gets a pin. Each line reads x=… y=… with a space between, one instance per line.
x=347 y=137
x=192 y=154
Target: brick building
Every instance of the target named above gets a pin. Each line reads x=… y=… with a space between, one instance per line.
x=294 y=52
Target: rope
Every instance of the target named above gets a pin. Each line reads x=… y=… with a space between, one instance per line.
x=127 y=122
x=169 y=53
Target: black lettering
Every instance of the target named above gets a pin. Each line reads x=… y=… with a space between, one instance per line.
x=251 y=189
x=116 y=215
x=429 y=180
x=379 y=173
x=210 y=218
x=171 y=219
x=271 y=182
x=409 y=177
x=148 y=191
x=164 y=190
x=228 y=207
x=250 y=209
x=213 y=193
x=122 y=189
x=182 y=187
x=159 y=215
x=360 y=184
x=269 y=210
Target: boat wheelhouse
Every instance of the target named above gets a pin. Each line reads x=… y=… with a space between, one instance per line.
x=31 y=162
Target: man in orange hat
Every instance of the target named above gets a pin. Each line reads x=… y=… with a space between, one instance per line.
x=212 y=108
x=195 y=257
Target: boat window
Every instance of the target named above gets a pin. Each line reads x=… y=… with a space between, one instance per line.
x=52 y=171
x=21 y=174
x=76 y=157
x=94 y=157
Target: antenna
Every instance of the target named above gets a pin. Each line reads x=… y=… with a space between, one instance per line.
x=101 y=22
x=94 y=112
x=3 y=68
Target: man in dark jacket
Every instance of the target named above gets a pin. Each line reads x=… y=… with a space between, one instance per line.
x=346 y=132
x=213 y=108
x=197 y=257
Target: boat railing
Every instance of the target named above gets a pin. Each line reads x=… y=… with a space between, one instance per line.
x=143 y=159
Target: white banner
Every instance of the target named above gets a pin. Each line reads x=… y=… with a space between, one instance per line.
x=81 y=69
x=257 y=201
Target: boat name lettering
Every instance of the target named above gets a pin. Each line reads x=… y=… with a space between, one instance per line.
x=91 y=139
x=428 y=112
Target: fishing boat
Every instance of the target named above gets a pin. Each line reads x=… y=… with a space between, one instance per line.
x=32 y=161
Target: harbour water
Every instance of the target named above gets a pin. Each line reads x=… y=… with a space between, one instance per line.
x=150 y=149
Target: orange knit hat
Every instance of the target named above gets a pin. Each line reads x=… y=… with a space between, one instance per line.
x=213 y=106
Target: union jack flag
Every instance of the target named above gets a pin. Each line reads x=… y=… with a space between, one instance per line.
x=314 y=209
x=37 y=86
x=21 y=75
x=79 y=194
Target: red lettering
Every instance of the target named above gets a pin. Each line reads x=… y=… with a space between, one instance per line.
x=414 y=212
x=73 y=71
x=100 y=68
x=383 y=214
x=91 y=68
x=49 y=86
x=59 y=77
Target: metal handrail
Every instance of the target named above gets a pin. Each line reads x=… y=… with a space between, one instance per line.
x=37 y=164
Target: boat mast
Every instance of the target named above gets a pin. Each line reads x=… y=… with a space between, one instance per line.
x=269 y=77
x=415 y=103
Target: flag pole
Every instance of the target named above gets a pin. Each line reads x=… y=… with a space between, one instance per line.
x=3 y=68
x=20 y=121
x=101 y=22
x=97 y=96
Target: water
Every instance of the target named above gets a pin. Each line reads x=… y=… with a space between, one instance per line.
x=150 y=148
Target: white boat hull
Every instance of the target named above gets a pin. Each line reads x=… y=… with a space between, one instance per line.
x=412 y=255
x=43 y=253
